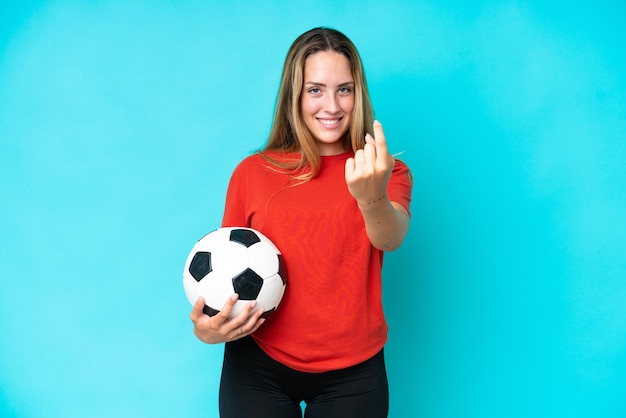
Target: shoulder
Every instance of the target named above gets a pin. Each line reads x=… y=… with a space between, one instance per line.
x=265 y=166
x=400 y=165
x=242 y=170
x=400 y=168
x=251 y=160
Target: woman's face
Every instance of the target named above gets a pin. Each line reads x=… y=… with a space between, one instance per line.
x=327 y=99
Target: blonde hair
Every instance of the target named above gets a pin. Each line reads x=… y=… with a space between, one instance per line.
x=289 y=133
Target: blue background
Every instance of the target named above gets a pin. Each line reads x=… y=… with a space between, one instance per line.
x=121 y=121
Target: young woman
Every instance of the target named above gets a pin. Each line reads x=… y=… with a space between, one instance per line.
x=327 y=192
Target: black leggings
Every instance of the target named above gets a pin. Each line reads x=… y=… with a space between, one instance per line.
x=255 y=385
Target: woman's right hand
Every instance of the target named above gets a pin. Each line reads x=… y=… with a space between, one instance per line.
x=219 y=328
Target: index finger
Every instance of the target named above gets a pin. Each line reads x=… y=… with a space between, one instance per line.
x=224 y=313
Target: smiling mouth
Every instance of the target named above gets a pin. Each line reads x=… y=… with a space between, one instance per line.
x=329 y=122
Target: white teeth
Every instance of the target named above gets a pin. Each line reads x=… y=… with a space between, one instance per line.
x=328 y=122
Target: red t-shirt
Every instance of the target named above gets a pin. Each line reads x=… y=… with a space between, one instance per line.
x=331 y=315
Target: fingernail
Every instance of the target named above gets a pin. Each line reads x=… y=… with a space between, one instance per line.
x=376 y=123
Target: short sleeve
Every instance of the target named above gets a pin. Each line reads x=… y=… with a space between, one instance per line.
x=400 y=185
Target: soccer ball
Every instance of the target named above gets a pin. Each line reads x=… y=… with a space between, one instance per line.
x=235 y=260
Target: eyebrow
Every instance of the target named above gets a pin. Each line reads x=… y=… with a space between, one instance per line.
x=315 y=83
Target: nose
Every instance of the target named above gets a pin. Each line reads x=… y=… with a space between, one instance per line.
x=331 y=105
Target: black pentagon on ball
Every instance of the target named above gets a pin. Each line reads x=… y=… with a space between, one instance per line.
x=210 y=311
x=282 y=269
x=247 y=284
x=244 y=237
x=268 y=313
x=200 y=265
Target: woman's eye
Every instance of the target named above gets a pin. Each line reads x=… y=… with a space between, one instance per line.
x=314 y=90
x=345 y=90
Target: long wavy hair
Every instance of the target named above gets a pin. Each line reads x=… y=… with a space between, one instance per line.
x=289 y=132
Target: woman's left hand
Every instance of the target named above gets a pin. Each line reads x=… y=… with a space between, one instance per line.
x=368 y=173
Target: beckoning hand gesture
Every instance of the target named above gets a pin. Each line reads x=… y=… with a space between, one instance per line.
x=367 y=177
x=368 y=173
